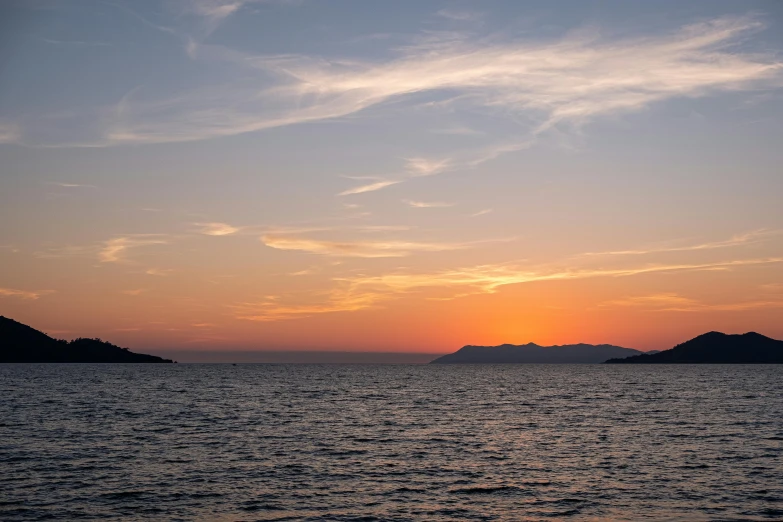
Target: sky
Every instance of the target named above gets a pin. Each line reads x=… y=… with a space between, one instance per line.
x=411 y=176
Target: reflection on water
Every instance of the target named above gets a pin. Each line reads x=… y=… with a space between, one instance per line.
x=329 y=442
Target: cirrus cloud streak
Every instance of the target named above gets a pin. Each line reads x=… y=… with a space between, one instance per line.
x=360 y=292
x=570 y=81
x=23 y=294
x=672 y=302
x=115 y=250
x=367 y=249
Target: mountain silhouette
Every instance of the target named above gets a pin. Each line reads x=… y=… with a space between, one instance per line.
x=716 y=348
x=533 y=353
x=20 y=343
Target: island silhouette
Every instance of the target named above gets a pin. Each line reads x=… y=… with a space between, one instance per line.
x=715 y=348
x=20 y=343
x=709 y=348
x=533 y=353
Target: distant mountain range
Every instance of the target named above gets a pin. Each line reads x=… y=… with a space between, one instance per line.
x=533 y=353
x=710 y=348
x=715 y=348
x=20 y=343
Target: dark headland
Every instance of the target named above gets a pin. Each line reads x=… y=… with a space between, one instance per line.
x=533 y=353
x=20 y=343
x=715 y=348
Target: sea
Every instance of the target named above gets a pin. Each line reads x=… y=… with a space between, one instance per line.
x=218 y=442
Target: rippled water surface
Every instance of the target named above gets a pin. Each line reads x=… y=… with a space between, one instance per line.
x=329 y=442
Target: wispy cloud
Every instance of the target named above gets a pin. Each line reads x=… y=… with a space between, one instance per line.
x=773 y=288
x=385 y=228
x=481 y=212
x=294 y=229
x=10 y=132
x=339 y=301
x=216 y=9
x=673 y=302
x=428 y=204
x=460 y=15
x=67 y=251
x=570 y=81
x=212 y=12
x=159 y=272
x=414 y=167
x=307 y=271
x=488 y=278
x=368 y=249
x=755 y=236
x=457 y=130
x=362 y=292
x=217 y=229
x=378 y=185
x=425 y=167
x=365 y=291
x=464 y=159
x=656 y=301
x=76 y=42
x=70 y=185
x=23 y=294
x=115 y=250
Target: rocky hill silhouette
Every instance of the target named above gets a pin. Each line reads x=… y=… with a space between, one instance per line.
x=715 y=348
x=20 y=343
x=533 y=353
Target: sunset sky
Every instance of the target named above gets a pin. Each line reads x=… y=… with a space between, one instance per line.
x=391 y=176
